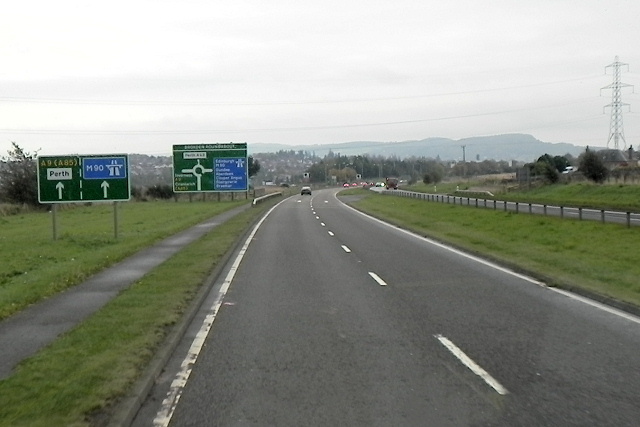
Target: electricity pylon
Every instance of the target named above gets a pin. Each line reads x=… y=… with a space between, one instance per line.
x=616 y=130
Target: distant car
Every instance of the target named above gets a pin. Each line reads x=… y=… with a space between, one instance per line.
x=305 y=190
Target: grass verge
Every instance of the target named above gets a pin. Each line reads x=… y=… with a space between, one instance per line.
x=621 y=197
x=90 y=367
x=600 y=258
x=583 y=194
x=34 y=266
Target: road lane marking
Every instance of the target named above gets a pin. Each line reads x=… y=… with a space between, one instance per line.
x=598 y=305
x=469 y=363
x=377 y=278
x=163 y=417
x=576 y=297
x=346 y=249
x=449 y=248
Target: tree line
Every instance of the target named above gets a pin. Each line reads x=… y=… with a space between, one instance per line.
x=337 y=168
x=18 y=171
x=19 y=180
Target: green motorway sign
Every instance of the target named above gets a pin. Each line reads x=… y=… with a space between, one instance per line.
x=210 y=168
x=74 y=178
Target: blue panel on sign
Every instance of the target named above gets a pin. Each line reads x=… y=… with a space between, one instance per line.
x=230 y=174
x=104 y=168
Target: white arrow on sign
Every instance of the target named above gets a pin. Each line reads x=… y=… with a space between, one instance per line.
x=105 y=186
x=59 y=187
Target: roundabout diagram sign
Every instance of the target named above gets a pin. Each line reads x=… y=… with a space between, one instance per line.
x=210 y=168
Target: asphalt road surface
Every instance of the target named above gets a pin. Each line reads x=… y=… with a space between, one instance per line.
x=331 y=318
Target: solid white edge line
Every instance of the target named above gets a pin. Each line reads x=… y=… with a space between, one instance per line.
x=469 y=363
x=346 y=249
x=598 y=305
x=449 y=248
x=169 y=404
x=568 y=294
x=377 y=278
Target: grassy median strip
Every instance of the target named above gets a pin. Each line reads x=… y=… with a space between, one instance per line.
x=601 y=258
x=585 y=194
x=90 y=367
x=34 y=266
x=581 y=194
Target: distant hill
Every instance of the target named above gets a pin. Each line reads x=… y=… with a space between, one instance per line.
x=147 y=171
x=520 y=147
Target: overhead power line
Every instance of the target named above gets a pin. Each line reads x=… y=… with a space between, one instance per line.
x=250 y=130
x=17 y=99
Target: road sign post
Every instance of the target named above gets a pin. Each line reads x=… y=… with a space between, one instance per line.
x=78 y=179
x=210 y=168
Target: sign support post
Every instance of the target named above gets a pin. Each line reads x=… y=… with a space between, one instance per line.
x=54 y=218
x=81 y=179
x=115 y=220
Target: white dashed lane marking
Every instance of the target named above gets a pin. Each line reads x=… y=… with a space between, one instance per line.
x=377 y=278
x=469 y=363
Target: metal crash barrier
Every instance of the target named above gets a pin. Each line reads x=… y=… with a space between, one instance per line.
x=265 y=197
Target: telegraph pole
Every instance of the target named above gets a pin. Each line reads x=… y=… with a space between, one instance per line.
x=616 y=130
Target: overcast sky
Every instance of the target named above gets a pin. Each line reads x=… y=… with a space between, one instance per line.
x=138 y=76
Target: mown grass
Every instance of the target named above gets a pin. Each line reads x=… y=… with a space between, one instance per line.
x=90 y=367
x=34 y=266
x=584 y=194
x=581 y=194
x=601 y=258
